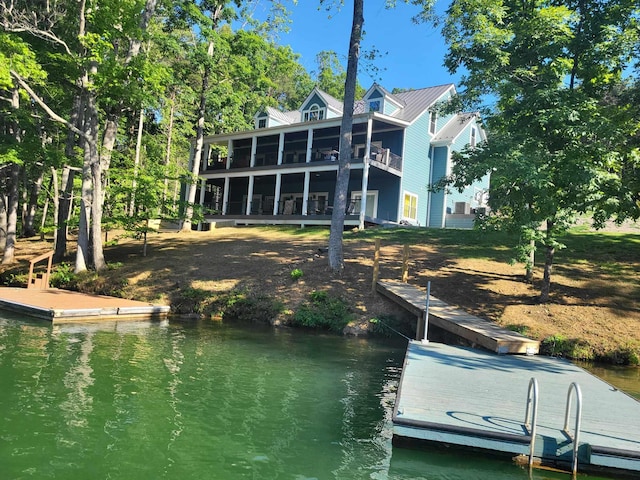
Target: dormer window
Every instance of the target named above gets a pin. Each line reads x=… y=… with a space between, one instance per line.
x=374 y=106
x=314 y=113
x=433 y=119
x=262 y=123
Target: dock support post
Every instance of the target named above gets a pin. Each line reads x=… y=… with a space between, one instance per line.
x=405 y=264
x=376 y=266
x=426 y=313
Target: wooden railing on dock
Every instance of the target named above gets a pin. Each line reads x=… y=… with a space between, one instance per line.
x=40 y=281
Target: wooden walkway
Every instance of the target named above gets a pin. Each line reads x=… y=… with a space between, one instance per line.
x=473 y=329
x=473 y=398
x=65 y=306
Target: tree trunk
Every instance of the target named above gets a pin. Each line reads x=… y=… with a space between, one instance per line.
x=3 y=221
x=12 y=214
x=167 y=158
x=532 y=261
x=63 y=213
x=28 y=228
x=82 y=254
x=95 y=166
x=336 y=260
x=548 y=264
x=136 y=165
x=192 y=186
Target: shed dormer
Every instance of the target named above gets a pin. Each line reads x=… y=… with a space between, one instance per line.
x=377 y=99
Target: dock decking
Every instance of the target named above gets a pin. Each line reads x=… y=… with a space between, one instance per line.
x=66 y=306
x=472 y=398
x=473 y=329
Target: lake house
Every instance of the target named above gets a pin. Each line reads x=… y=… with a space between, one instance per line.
x=284 y=170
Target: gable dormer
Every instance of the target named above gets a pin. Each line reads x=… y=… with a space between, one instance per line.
x=377 y=99
x=320 y=105
x=270 y=117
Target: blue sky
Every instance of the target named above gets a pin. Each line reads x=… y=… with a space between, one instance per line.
x=414 y=53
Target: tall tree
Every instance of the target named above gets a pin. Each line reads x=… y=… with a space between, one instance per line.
x=336 y=257
x=554 y=139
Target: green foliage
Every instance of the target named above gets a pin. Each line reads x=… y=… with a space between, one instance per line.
x=243 y=307
x=296 y=274
x=561 y=127
x=63 y=276
x=323 y=312
x=561 y=346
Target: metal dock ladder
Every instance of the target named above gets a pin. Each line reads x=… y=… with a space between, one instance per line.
x=531 y=419
x=574 y=387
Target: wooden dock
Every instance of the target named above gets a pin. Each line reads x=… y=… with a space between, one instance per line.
x=66 y=306
x=473 y=329
x=473 y=398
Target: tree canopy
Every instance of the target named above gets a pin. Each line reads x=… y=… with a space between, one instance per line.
x=559 y=108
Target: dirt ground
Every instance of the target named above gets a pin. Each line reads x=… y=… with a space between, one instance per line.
x=587 y=305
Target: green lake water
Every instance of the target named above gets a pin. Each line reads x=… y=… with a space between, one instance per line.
x=185 y=401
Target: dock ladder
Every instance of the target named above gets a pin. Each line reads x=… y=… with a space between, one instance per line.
x=531 y=419
x=531 y=416
x=574 y=387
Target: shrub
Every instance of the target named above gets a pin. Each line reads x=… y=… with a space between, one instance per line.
x=322 y=312
x=241 y=307
x=63 y=276
x=296 y=274
x=560 y=346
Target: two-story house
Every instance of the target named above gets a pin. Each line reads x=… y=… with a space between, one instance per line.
x=284 y=170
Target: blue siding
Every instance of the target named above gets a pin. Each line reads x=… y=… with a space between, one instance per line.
x=438 y=198
x=416 y=164
x=314 y=99
x=468 y=194
x=388 y=188
x=389 y=108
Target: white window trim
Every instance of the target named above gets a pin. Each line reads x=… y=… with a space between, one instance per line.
x=314 y=108
x=404 y=194
x=473 y=137
x=433 y=122
x=262 y=119
x=358 y=194
x=379 y=102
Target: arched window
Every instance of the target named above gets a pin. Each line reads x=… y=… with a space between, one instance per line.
x=314 y=113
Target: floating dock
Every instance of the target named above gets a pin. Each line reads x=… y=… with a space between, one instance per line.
x=65 y=306
x=473 y=398
x=474 y=330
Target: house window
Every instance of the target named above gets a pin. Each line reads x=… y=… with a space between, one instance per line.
x=410 y=207
x=433 y=118
x=374 y=106
x=314 y=113
x=262 y=123
x=472 y=141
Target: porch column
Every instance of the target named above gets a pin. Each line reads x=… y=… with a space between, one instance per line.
x=229 y=153
x=365 y=174
x=276 y=194
x=249 y=195
x=280 y=148
x=254 y=147
x=309 y=144
x=305 y=193
x=203 y=185
x=225 y=196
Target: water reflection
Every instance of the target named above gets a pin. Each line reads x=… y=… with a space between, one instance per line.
x=187 y=401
